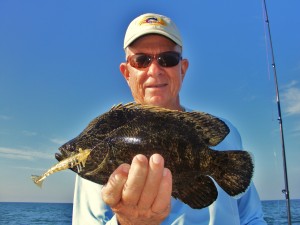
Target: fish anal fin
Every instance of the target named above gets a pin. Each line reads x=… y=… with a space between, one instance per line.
x=199 y=193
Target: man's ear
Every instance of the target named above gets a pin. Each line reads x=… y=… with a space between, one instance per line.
x=124 y=71
x=184 y=67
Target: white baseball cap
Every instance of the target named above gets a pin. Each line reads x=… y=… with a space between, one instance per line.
x=151 y=23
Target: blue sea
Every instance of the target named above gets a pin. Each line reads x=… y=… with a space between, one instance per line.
x=13 y=213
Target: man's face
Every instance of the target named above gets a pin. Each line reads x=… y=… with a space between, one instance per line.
x=155 y=84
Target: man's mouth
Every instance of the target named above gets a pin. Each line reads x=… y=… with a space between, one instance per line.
x=157 y=85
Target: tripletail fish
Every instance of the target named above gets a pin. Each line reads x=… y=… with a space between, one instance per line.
x=77 y=160
x=184 y=139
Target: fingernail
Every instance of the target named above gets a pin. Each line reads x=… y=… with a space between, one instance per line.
x=141 y=158
x=118 y=177
x=165 y=172
x=156 y=158
x=125 y=169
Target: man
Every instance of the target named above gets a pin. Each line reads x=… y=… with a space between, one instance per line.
x=140 y=193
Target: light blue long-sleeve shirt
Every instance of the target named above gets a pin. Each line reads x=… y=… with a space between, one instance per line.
x=89 y=208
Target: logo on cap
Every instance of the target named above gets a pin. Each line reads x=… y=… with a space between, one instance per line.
x=152 y=20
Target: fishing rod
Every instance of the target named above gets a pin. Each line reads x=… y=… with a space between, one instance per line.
x=286 y=190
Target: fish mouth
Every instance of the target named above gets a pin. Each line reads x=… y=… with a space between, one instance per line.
x=63 y=154
x=59 y=156
x=66 y=150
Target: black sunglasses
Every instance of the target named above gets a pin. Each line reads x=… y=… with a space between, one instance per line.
x=164 y=59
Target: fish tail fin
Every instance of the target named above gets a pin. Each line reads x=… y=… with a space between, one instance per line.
x=37 y=180
x=232 y=170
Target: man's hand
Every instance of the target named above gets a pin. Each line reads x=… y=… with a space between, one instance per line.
x=140 y=193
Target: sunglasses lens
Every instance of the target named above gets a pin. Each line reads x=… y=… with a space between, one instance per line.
x=168 y=59
x=165 y=59
x=140 y=61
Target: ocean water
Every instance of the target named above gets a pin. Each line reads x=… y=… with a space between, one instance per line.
x=61 y=213
x=12 y=213
x=276 y=212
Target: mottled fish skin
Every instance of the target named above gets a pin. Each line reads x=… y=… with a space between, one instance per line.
x=182 y=138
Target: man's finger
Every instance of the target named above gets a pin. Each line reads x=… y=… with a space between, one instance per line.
x=154 y=178
x=112 y=191
x=136 y=180
x=162 y=202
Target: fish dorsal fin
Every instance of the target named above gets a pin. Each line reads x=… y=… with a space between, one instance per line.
x=119 y=106
x=133 y=105
x=212 y=129
x=95 y=121
x=91 y=124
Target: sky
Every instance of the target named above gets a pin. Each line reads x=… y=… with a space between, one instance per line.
x=59 y=69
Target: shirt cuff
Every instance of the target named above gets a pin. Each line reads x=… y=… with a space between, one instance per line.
x=113 y=221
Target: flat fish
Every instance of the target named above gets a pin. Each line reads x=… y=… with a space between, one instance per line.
x=182 y=138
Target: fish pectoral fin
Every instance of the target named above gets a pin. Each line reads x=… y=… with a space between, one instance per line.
x=199 y=193
x=100 y=167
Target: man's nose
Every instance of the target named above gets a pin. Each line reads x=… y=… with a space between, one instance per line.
x=154 y=68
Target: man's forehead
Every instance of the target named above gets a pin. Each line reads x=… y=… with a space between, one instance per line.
x=156 y=41
x=153 y=38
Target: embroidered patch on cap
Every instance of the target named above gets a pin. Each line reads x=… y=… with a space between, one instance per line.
x=152 y=20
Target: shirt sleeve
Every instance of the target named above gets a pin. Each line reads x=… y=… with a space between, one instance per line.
x=88 y=206
x=249 y=205
x=250 y=209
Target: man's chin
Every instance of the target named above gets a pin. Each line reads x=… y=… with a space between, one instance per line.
x=156 y=101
